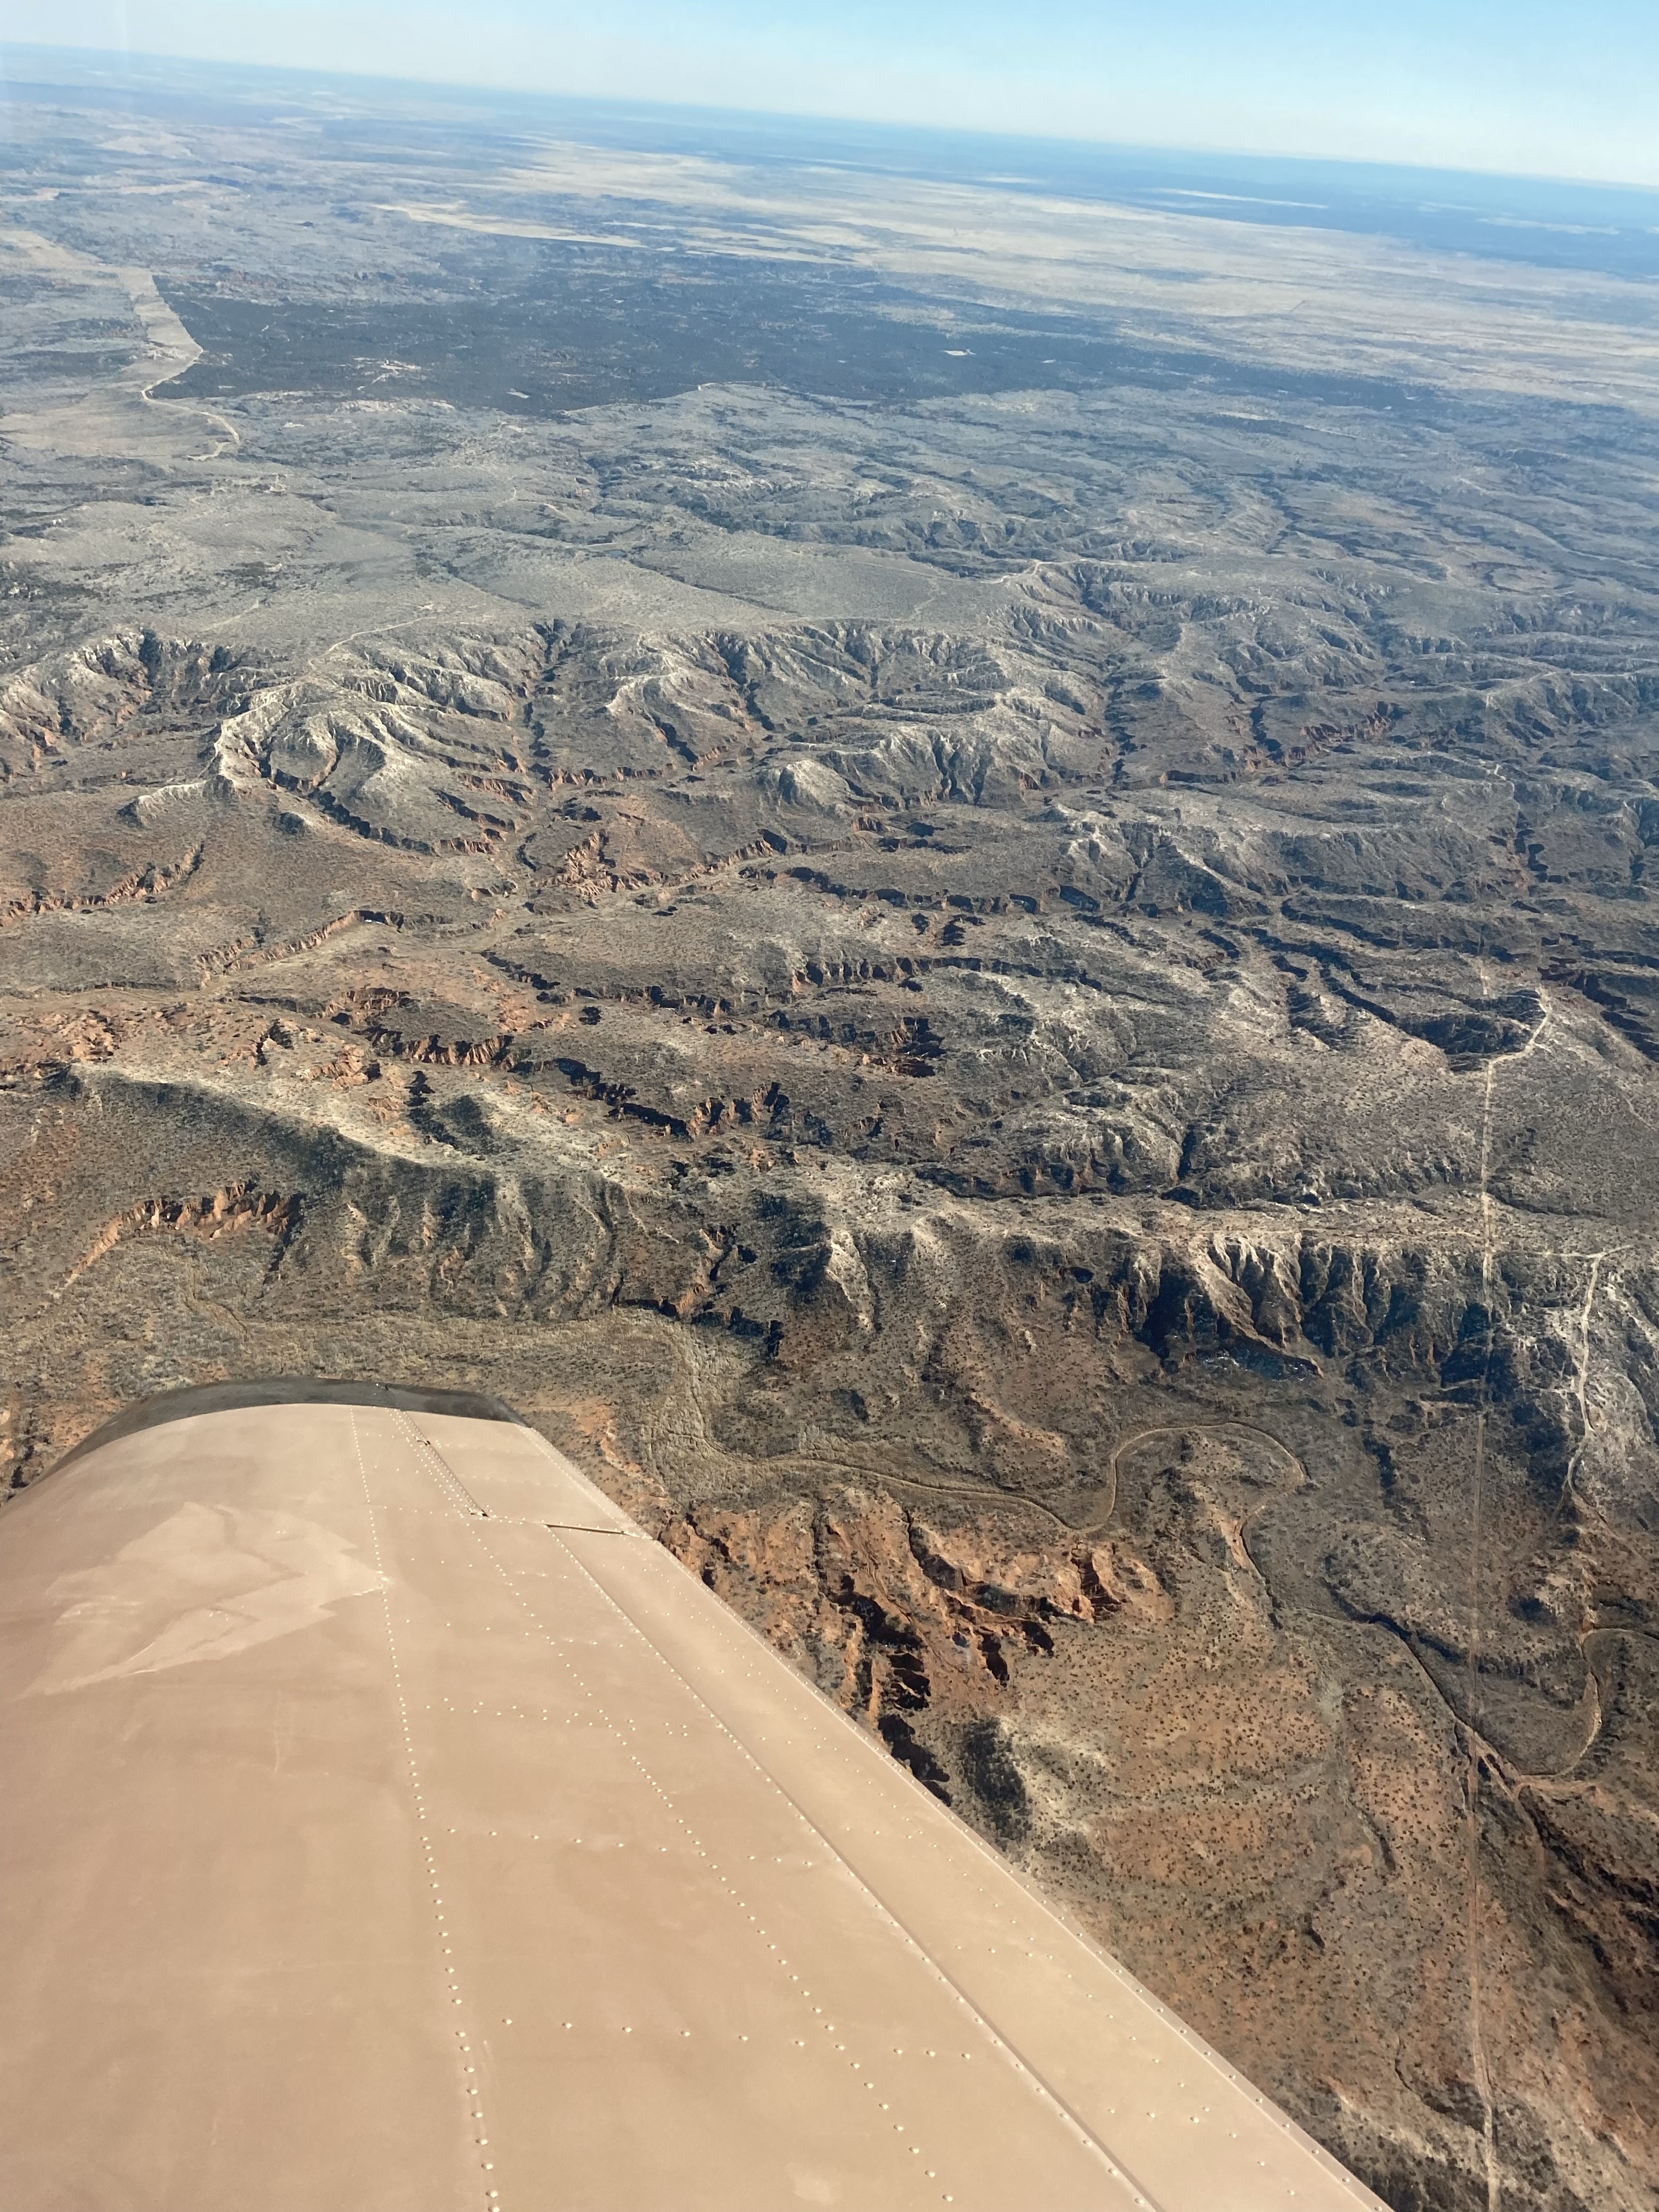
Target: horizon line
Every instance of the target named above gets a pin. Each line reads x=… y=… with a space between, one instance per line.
x=887 y=126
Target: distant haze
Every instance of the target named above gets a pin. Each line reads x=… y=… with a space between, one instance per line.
x=1527 y=86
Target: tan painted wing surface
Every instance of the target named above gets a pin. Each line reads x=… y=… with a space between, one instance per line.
x=389 y=1823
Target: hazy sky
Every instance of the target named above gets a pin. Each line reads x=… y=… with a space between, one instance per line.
x=1563 y=88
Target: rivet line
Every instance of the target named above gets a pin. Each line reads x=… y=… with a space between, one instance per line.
x=692 y=1836
x=469 y=2070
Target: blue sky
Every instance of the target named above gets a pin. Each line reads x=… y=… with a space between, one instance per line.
x=1530 y=87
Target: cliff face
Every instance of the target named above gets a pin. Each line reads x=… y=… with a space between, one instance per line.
x=1028 y=1023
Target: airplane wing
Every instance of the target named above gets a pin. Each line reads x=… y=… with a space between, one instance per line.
x=389 y=1823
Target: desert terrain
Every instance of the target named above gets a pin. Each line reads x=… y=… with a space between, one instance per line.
x=955 y=874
